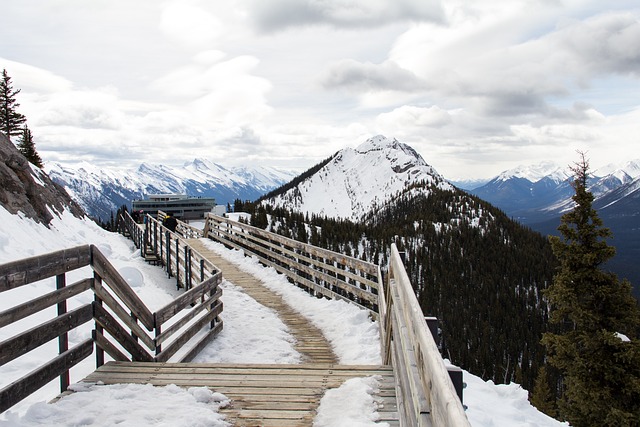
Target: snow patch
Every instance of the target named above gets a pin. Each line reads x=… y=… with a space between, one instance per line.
x=353 y=404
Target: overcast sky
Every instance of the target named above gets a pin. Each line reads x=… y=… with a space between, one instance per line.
x=476 y=87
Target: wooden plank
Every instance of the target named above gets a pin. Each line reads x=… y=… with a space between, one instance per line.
x=119 y=286
x=26 y=341
x=193 y=294
x=111 y=302
x=306 y=368
x=266 y=395
x=186 y=335
x=23 y=387
x=22 y=272
x=105 y=320
x=175 y=327
x=38 y=304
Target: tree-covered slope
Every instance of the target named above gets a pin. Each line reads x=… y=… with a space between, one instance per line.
x=472 y=267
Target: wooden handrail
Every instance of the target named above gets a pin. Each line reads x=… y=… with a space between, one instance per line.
x=428 y=395
x=116 y=311
x=319 y=270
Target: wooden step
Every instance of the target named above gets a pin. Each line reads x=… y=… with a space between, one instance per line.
x=261 y=395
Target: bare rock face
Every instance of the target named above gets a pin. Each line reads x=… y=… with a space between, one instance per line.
x=27 y=189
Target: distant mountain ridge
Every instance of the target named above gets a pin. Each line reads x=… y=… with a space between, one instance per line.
x=540 y=192
x=538 y=195
x=357 y=180
x=101 y=191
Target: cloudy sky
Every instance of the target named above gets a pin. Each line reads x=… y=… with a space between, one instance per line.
x=476 y=87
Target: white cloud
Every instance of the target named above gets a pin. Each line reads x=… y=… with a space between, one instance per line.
x=368 y=77
x=33 y=79
x=409 y=116
x=189 y=23
x=280 y=14
x=607 y=43
x=219 y=91
x=83 y=109
x=472 y=85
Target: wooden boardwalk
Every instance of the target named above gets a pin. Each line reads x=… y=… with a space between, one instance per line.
x=310 y=342
x=263 y=395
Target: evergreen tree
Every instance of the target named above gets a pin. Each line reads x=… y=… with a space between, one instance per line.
x=10 y=120
x=542 y=397
x=591 y=308
x=28 y=148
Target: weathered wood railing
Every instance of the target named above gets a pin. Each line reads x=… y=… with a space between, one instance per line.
x=128 y=227
x=318 y=270
x=120 y=318
x=160 y=245
x=426 y=393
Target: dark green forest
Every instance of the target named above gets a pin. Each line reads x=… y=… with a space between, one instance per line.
x=475 y=269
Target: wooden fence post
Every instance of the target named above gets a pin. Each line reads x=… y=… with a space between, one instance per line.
x=97 y=280
x=177 y=263
x=155 y=237
x=63 y=340
x=187 y=267
x=167 y=245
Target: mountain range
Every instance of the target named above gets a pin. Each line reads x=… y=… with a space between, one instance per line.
x=538 y=195
x=355 y=182
x=101 y=191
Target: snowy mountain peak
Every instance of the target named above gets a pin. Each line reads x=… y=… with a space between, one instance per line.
x=101 y=191
x=536 y=172
x=378 y=142
x=623 y=171
x=359 y=180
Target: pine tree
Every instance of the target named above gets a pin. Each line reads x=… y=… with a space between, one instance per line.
x=28 y=148
x=542 y=397
x=590 y=308
x=10 y=120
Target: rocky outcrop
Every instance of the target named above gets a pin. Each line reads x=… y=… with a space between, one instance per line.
x=27 y=189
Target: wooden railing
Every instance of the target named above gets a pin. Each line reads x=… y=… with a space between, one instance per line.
x=426 y=394
x=122 y=321
x=319 y=271
x=170 y=249
x=429 y=396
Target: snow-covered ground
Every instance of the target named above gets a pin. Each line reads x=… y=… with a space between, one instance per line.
x=353 y=336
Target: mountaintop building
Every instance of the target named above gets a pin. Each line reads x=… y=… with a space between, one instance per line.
x=180 y=205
